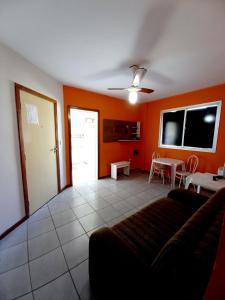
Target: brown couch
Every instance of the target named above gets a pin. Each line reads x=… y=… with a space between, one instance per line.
x=164 y=251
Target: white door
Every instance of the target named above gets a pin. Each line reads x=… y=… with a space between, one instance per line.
x=38 y=130
x=84 y=145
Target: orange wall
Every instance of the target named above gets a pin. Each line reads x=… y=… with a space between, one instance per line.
x=151 y=121
x=110 y=108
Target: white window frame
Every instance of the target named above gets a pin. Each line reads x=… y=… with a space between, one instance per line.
x=186 y=108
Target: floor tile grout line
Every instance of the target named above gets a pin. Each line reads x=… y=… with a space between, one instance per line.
x=28 y=257
x=14 y=245
x=97 y=211
x=71 y=221
x=66 y=262
x=14 y=268
x=86 y=232
x=36 y=236
x=30 y=221
x=79 y=264
x=31 y=260
x=3 y=249
x=39 y=287
x=23 y=296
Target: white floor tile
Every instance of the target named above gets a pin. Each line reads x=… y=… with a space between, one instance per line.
x=13 y=257
x=81 y=279
x=39 y=227
x=56 y=208
x=47 y=268
x=42 y=213
x=82 y=210
x=109 y=213
x=15 y=237
x=113 y=199
x=76 y=201
x=26 y=297
x=15 y=283
x=76 y=251
x=122 y=206
x=63 y=217
x=42 y=244
x=61 y=288
x=98 y=203
x=134 y=201
x=69 y=231
x=91 y=221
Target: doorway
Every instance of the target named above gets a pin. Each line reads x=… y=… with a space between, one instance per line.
x=38 y=137
x=84 y=145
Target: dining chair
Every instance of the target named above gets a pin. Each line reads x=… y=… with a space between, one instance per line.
x=191 y=165
x=158 y=169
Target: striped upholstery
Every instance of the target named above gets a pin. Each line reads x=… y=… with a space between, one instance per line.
x=165 y=251
x=148 y=230
x=185 y=262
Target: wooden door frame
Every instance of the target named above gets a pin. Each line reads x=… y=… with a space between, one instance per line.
x=69 y=107
x=19 y=88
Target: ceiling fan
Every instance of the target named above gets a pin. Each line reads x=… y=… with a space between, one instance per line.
x=134 y=89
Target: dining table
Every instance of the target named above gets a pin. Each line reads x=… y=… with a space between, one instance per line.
x=170 y=162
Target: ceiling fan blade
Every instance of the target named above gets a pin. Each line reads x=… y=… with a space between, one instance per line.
x=145 y=90
x=139 y=74
x=116 y=89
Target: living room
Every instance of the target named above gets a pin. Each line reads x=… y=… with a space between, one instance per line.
x=93 y=56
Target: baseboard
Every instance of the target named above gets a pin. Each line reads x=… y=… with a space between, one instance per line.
x=131 y=170
x=103 y=177
x=25 y=218
x=65 y=187
x=62 y=189
x=13 y=227
x=145 y=171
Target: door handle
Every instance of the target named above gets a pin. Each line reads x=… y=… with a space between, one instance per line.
x=54 y=149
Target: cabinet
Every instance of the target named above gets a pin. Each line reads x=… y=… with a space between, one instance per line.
x=120 y=131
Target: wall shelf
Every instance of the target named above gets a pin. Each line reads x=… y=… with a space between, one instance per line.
x=120 y=131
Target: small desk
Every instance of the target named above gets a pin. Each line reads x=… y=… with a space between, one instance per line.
x=172 y=163
x=125 y=165
x=204 y=180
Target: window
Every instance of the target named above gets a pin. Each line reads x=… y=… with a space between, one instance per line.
x=190 y=128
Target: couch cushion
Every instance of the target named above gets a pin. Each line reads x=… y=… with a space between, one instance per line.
x=182 y=267
x=119 y=257
x=149 y=229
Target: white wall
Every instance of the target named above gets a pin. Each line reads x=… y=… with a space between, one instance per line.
x=14 y=68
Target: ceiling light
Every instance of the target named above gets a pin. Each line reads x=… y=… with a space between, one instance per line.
x=209 y=118
x=136 y=81
x=133 y=97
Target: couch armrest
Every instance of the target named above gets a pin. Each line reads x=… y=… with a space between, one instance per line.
x=188 y=197
x=113 y=266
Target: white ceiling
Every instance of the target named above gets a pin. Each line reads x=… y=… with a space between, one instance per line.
x=91 y=43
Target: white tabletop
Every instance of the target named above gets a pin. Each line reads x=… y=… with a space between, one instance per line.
x=206 y=181
x=168 y=161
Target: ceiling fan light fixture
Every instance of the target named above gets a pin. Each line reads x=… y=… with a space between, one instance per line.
x=136 y=81
x=133 y=89
x=133 y=97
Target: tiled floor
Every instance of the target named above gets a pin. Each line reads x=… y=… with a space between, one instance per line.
x=47 y=256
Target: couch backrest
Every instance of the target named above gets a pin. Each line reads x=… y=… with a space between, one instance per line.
x=175 y=267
